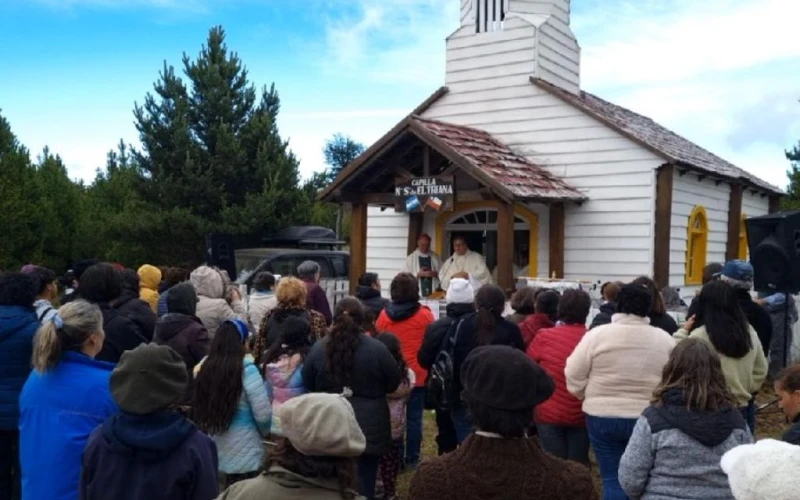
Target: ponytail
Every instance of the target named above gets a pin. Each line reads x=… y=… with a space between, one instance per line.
x=46 y=347
x=344 y=339
x=491 y=302
x=67 y=331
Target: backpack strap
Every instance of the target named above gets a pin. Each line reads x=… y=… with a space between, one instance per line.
x=44 y=314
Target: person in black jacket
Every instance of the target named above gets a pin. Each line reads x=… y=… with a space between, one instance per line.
x=658 y=315
x=787 y=388
x=739 y=275
x=101 y=284
x=132 y=307
x=608 y=308
x=149 y=450
x=369 y=293
x=484 y=327
x=350 y=362
x=460 y=302
x=180 y=329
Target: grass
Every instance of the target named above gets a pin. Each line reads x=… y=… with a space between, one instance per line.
x=771 y=423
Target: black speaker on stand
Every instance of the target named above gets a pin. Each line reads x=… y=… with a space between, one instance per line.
x=774 y=242
x=220 y=252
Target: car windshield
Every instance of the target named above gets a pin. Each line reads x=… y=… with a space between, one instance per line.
x=246 y=265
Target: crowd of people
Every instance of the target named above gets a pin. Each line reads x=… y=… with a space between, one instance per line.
x=169 y=384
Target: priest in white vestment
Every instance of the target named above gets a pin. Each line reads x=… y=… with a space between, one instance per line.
x=424 y=264
x=464 y=263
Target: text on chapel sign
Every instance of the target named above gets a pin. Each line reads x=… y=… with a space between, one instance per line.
x=424 y=194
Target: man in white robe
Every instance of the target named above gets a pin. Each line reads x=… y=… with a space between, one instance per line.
x=424 y=263
x=464 y=263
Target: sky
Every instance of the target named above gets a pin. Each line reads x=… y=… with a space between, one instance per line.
x=723 y=73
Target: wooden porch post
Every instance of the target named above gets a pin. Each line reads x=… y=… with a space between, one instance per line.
x=557 y=231
x=663 y=229
x=415 y=220
x=358 y=244
x=734 y=221
x=505 y=245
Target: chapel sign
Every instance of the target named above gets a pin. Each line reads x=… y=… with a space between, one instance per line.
x=424 y=194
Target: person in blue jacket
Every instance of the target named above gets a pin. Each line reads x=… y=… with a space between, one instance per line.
x=65 y=398
x=18 y=325
x=149 y=450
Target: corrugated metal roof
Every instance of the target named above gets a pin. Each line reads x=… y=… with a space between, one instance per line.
x=658 y=138
x=524 y=179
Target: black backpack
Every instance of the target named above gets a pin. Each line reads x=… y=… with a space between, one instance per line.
x=441 y=376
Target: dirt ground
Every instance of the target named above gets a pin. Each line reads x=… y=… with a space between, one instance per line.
x=771 y=423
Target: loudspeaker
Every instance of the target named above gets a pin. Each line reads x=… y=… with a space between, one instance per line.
x=774 y=242
x=220 y=252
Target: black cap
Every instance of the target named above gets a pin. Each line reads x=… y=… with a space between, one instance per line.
x=505 y=378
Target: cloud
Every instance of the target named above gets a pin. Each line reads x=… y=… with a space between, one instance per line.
x=711 y=71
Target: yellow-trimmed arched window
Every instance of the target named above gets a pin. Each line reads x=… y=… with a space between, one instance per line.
x=743 y=238
x=696 y=246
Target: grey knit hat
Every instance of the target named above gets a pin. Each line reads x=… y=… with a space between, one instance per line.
x=149 y=378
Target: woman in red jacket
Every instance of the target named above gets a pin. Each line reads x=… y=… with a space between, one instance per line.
x=545 y=316
x=407 y=319
x=560 y=420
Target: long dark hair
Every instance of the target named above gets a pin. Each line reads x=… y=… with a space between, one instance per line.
x=219 y=384
x=491 y=302
x=339 y=468
x=391 y=341
x=695 y=369
x=348 y=319
x=294 y=339
x=726 y=324
x=657 y=305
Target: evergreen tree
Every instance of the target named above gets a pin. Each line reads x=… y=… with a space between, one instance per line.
x=339 y=151
x=792 y=202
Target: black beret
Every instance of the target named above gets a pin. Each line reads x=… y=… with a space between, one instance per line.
x=505 y=378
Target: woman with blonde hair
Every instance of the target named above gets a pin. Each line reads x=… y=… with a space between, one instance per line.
x=65 y=398
x=678 y=442
x=291 y=294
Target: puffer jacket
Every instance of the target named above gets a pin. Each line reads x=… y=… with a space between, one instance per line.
x=122 y=334
x=149 y=280
x=436 y=332
x=18 y=325
x=375 y=376
x=550 y=349
x=408 y=321
x=532 y=325
x=284 y=380
x=137 y=310
x=212 y=308
x=240 y=448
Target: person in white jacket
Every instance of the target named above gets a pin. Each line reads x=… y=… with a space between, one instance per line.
x=263 y=298
x=614 y=370
x=213 y=308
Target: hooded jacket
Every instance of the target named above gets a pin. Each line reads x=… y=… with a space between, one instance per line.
x=161 y=456
x=135 y=309
x=675 y=452
x=18 y=325
x=607 y=310
x=278 y=482
x=212 y=308
x=258 y=305
x=180 y=329
x=408 y=321
x=372 y=300
x=149 y=280
x=436 y=332
x=59 y=410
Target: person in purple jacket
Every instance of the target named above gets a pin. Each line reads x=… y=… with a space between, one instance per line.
x=149 y=450
x=316 y=300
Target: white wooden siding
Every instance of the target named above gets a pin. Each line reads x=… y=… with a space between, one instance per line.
x=387 y=238
x=558 y=56
x=610 y=236
x=558 y=8
x=688 y=192
x=754 y=205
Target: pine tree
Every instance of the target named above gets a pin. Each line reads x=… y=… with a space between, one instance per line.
x=339 y=151
x=211 y=148
x=792 y=202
